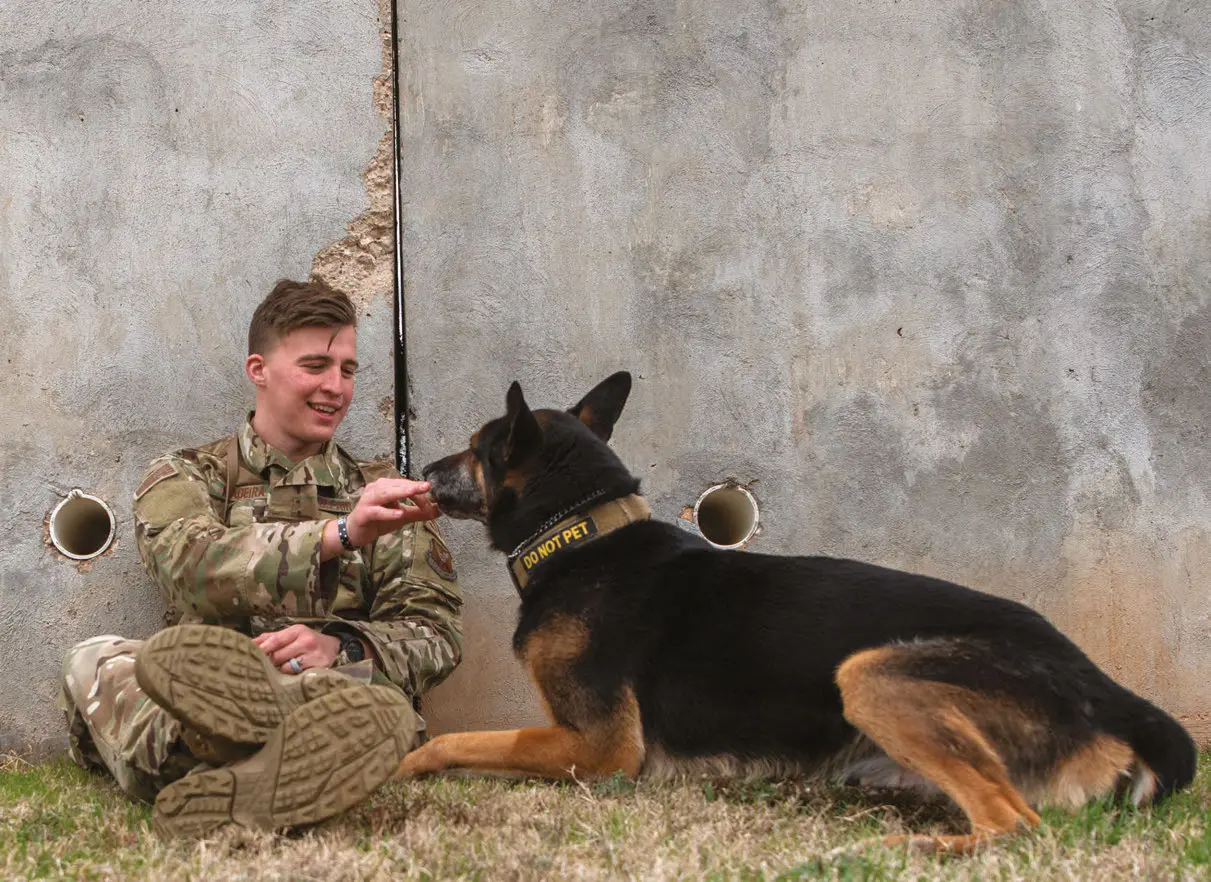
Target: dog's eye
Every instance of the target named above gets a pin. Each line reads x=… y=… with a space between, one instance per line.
x=496 y=460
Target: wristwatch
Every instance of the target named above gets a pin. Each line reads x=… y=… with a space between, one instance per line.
x=351 y=649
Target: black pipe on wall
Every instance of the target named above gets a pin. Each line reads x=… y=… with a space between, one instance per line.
x=403 y=443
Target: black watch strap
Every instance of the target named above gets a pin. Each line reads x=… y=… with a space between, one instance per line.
x=351 y=648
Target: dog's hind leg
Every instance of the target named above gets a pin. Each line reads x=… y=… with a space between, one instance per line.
x=933 y=729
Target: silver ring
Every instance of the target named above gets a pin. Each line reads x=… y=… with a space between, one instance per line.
x=295 y=667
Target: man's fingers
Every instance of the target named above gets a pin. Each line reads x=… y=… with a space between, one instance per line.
x=271 y=641
x=388 y=490
x=379 y=510
x=410 y=513
x=282 y=657
x=285 y=667
x=312 y=649
x=283 y=645
x=422 y=513
x=393 y=518
x=306 y=660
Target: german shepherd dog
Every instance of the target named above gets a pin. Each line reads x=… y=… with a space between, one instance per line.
x=656 y=653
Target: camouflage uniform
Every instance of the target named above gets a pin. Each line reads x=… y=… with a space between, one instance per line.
x=239 y=546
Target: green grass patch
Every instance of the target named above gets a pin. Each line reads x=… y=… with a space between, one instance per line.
x=59 y=822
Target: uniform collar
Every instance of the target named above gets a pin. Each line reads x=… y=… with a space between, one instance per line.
x=321 y=468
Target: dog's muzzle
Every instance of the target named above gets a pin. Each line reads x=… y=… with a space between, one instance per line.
x=457 y=492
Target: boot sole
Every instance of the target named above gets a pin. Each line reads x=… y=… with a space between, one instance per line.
x=326 y=757
x=217 y=681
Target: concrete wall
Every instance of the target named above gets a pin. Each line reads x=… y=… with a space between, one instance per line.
x=932 y=277
x=161 y=165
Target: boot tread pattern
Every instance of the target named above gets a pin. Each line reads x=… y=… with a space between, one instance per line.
x=218 y=682
x=327 y=756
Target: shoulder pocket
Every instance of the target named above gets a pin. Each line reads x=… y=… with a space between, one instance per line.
x=376 y=468
x=154 y=476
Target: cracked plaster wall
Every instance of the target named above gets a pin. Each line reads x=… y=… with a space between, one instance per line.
x=161 y=165
x=932 y=276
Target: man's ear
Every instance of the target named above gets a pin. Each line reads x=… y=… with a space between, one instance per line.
x=600 y=409
x=524 y=432
x=254 y=367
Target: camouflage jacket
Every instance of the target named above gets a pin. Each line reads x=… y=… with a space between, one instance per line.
x=257 y=566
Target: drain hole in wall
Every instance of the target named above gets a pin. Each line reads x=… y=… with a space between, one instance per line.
x=726 y=515
x=82 y=526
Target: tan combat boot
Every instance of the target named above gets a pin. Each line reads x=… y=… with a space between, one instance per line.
x=327 y=756
x=219 y=683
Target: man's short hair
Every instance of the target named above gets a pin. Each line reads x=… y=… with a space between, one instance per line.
x=291 y=305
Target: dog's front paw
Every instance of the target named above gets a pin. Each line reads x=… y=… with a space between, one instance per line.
x=425 y=760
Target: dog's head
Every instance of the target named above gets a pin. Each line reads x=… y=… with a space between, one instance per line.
x=525 y=467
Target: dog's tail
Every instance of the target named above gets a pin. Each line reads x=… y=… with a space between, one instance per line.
x=1165 y=753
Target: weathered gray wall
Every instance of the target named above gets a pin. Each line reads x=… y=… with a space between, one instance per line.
x=161 y=164
x=932 y=275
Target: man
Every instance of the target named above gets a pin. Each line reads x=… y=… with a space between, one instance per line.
x=317 y=603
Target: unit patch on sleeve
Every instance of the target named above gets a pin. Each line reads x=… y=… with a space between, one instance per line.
x=441 y=560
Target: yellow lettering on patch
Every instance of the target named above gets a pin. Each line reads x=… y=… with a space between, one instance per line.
x=565 y=538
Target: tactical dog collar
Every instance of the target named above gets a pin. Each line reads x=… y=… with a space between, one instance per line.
x=572 y=531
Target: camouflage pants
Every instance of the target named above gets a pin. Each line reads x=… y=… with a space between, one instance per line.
x=112 y=723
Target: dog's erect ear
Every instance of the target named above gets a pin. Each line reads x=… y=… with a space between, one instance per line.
x=524 y=432
x=600 y=409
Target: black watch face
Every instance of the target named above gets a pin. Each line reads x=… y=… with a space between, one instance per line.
x=354 y=649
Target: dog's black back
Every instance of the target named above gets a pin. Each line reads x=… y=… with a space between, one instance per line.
x=682 y=620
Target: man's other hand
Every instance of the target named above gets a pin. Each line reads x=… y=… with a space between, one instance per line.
x=311 y=648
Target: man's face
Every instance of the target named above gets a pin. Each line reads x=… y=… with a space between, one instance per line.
x=304 y=386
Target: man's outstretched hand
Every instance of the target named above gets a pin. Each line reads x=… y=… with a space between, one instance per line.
x=384 y=506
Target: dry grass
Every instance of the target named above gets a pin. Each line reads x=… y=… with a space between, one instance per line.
x=59 y=822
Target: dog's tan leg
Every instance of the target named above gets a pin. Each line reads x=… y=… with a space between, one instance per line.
x=592 y=737
x=922 y=726
x=551 y=752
